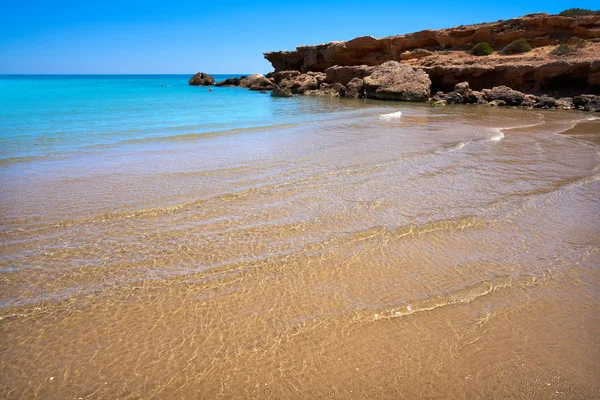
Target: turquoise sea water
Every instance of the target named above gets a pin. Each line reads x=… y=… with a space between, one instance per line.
x=53 y=116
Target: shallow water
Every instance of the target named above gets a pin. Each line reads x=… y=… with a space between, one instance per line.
x=314 y=249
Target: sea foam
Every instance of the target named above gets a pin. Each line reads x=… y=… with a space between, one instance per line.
x=391 y=116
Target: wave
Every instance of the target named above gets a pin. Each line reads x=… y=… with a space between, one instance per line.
x=391 y=116
x=464 y=295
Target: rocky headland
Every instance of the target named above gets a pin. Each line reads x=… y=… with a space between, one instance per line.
x=538 y=60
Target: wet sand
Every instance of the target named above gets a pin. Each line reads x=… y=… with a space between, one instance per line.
x=446 y=253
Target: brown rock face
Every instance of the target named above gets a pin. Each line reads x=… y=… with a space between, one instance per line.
x=355 y=88
x=418 y=53
x=444 y=56
x=540 y=29
x=256 y=82
x=395 y=81
x=344 y=74
x=300 y=83
x=229 y=82
x=506 y=94
x=280 y=92
x=201 y=79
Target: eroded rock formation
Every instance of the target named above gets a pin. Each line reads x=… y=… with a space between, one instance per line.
x=444 y=55
x=201 y=79
x=540 y=29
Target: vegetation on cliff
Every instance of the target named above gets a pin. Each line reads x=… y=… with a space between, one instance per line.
x=482 y=49
x=517 y=47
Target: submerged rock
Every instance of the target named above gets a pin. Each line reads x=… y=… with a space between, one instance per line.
x=395 y=81
x=201 y=79
x=278 y=91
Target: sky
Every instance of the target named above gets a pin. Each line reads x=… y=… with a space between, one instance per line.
x=184 y=37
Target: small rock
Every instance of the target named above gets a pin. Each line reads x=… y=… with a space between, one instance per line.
x=495 y=103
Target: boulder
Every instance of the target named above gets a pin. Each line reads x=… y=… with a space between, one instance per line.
x=280 y=92
x=333 y=89
x=506 y=94
x=587 y=102
x=495 y=103
x=355 y=88
x=454 y=98
x=229 y=82
x=301 y=83
x=344 y=74
x=566 y=103
x=201 y=79
x=395 y=81
x=277 y=77
x=530 y=101
x=462 y=88
x=255 y=82
x=475 y=97
x=545 y=101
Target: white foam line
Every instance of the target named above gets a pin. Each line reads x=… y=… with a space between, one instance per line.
x=498 y=136
x=391 y=116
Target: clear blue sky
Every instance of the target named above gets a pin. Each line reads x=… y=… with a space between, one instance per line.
x=159 y=36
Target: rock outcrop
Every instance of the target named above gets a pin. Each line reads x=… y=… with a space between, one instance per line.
x=201 y=79
x=540 y=29
x=256 y=82
x=395 y=81
x=444 y=56
x=298 y=83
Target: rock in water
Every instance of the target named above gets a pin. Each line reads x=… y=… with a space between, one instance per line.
x=395 y=81
x=355 y=88
x=256 y=82
x=280 y=92
x=506 y=94
x=229 y=82
x=201 y=79
x=587 y=102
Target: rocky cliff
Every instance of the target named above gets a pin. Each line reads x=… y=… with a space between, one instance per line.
x=444 y=55
x=540 y=29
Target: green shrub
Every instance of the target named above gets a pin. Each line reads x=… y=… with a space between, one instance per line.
x=569 y=49
x=576 y=12
x=517 y=47
x=482 y=49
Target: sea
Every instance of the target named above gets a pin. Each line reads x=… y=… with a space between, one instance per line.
x=159 y=240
